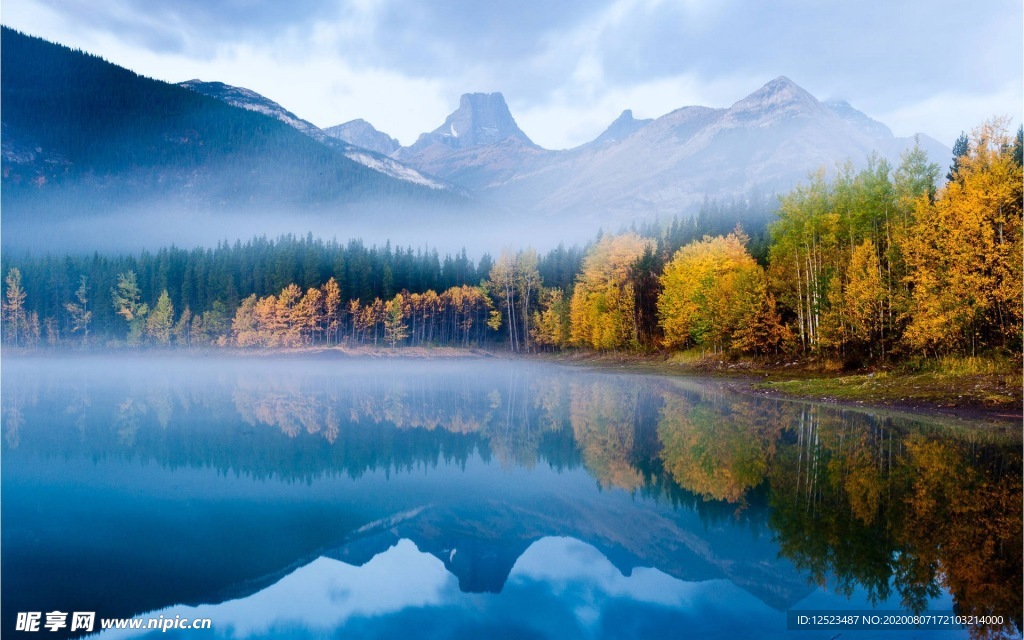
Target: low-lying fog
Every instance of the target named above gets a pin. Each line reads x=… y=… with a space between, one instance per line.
x=449 y=231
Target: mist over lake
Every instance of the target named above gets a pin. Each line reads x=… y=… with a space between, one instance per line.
x=301 y=497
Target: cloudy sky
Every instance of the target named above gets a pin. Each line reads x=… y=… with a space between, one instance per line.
x=566 y=67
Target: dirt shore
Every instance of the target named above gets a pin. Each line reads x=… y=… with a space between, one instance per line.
x=977 y=397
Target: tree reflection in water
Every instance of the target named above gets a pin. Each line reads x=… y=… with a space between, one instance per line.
x=886 y=504
x=863 y=501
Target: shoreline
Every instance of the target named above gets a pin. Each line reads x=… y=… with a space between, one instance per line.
x=993 y=398
x=864 y=389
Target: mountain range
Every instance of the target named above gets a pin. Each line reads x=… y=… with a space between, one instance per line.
x=83 y=138
x=768 y=141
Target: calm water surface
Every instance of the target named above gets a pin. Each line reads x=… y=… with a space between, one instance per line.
x=457 y=499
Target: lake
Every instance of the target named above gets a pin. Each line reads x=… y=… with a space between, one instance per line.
x=383 y=498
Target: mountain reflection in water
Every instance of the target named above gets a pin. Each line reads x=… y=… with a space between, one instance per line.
x=286 y=496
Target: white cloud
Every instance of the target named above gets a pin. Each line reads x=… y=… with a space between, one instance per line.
x=945 y=115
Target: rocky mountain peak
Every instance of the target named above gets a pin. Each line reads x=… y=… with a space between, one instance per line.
x=623 y=127
x=481 y=119
x=361 y=133
x=625 y=119
x=780 y=97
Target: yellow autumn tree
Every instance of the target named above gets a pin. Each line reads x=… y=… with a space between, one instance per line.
x=761 y=332
x=395 y=328
x=551 y=323
x=711 y=289
x=602 y=310
x=269 y=326
x=964 y=253
x=287 y=330
x=308 y=315
x=865 y=294
x=331 y=294
x=245 y=325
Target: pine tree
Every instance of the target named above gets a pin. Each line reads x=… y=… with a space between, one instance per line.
x=644 y=275
x=960 y=149
x=1018 y=146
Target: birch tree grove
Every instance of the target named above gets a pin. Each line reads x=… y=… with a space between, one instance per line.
x=515 y=283
x=803 y=238
x=458 y=317
x=502 y=284
x=838 y=256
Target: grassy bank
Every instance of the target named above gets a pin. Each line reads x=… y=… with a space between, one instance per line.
x=983 y=385
x=987 y=388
